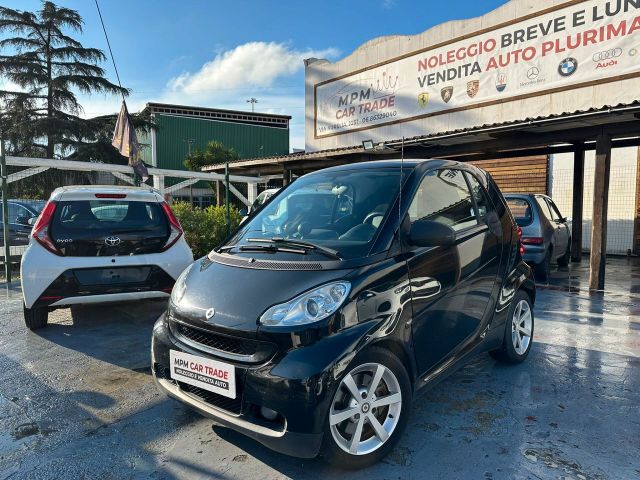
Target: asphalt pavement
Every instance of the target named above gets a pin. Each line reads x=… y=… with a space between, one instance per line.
x=77 y=401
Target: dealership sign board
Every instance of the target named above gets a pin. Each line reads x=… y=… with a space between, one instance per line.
x=579 y=44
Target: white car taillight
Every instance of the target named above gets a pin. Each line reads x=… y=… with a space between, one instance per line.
x=40 y=231
x=174 y=226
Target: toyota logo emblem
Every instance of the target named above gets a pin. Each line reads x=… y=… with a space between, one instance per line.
x=112 y=241
x=532 y=73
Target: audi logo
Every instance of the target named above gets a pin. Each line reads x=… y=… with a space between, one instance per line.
x=112 y=241
x=607 y=54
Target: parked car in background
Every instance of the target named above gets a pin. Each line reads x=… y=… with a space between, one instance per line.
x=21 y=216
x=313 y=326
x=546 y=234
x=100 y=244
x=260 y=200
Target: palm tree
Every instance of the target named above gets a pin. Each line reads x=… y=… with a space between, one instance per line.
x=47 y=66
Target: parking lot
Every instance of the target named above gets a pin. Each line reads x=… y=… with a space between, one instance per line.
x=77 y=401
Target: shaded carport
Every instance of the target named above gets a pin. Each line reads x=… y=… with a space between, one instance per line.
x=598 y=129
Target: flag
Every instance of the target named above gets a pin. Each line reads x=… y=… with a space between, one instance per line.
x=126 y=142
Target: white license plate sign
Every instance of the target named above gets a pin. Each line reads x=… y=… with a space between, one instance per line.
x=204 y=373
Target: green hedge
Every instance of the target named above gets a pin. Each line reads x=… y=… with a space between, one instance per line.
x=204 y=228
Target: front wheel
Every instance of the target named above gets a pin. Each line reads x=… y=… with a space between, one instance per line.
x=35 y=318
x=369 y=411
x=518 y=334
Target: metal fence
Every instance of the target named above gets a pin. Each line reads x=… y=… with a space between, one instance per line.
x=621 y=213
x=31 y=181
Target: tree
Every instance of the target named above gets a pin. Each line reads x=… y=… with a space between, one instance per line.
x=214 y=152
x=48 y=66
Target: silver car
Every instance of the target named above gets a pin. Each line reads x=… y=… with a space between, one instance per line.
x=546 y=234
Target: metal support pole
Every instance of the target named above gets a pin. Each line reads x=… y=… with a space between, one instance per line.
x=226 y=196
x=5 y=213
x=576 y=214
x=600 y=205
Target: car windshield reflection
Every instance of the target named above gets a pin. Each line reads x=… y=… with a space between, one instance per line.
x=339 y=211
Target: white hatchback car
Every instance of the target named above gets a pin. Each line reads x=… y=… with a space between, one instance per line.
x=94 y=244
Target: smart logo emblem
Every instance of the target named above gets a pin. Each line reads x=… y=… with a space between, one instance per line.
x=567 y=67
x=112 y=241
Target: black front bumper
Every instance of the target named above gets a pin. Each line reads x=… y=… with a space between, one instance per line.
x=300 y=402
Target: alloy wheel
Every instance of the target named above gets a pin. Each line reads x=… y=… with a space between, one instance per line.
x=365 y=409
x=521 y=324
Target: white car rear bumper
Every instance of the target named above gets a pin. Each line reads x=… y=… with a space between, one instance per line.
x=39 y=268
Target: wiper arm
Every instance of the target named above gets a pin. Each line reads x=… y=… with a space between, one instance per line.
x=270 y=248
x=299 y=243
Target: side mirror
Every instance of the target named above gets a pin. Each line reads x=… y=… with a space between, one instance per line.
x=32 y=221
x=244 y=212
x=427 y=233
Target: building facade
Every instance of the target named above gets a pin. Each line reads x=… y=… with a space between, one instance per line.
x=181 y=129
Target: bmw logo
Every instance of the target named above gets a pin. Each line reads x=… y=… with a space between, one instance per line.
x=567 y=67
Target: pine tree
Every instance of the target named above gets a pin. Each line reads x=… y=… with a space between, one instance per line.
x=41 y=116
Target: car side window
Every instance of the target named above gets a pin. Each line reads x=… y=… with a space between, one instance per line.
x=479 y=195
x=544 y=207
x=16 y=211
x=554 y=210
x=443 y=196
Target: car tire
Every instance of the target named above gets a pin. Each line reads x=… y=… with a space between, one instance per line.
x=543 y=270
x=35 y=318
x=564 y=260
x=374 y=442
x=518 y=331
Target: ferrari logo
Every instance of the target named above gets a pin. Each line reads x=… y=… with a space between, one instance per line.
x=472 y=88
x=423 y=100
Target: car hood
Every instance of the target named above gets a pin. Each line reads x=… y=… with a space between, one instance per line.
x=236 y=297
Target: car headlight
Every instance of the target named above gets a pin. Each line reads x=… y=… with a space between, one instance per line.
x=180 y=287
x=309 y=307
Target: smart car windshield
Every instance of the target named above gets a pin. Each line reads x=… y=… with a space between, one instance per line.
x=340 y=211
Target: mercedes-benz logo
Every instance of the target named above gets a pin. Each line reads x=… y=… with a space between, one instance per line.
x=112 y=241
x=210 y=313
x=532 y=73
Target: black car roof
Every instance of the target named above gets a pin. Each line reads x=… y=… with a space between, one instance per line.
x=408 y=164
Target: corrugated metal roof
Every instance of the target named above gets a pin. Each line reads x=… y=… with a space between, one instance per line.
x=439 y=136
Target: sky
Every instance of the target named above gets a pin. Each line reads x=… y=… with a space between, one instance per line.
x=219 y=53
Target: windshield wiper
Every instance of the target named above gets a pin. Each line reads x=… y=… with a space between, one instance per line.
x=299 y=243
x=262 y=248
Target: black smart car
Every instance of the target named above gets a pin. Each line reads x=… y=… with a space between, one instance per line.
x=354 y=287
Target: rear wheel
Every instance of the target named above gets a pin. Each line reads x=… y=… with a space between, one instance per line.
x=35 y=318
x=518 y=334
x=564 y=260
x=369 y=411
x=543 y=270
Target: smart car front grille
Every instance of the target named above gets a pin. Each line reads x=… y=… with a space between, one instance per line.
x=264 y=264
x=231 y=405
x=233 y=348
